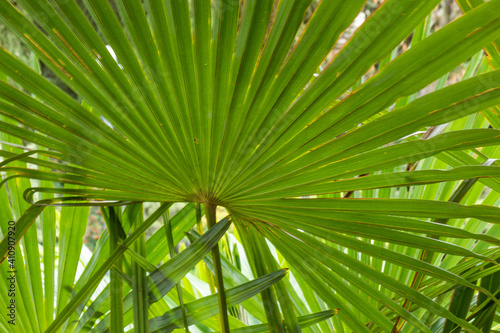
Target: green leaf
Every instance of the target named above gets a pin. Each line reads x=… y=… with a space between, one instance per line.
x=207 y=306
x=101 y=271
x=304 y=321
x=165 y=277
x=19 y=229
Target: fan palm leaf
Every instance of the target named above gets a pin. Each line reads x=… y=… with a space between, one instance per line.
x=227 y=103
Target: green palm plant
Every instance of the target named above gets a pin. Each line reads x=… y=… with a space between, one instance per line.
x=217 y=103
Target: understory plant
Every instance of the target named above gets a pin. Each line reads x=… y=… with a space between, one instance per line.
x=360 y=187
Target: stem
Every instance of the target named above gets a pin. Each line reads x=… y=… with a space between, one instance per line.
x=116 y=315
x=204 y=271
x=199 y=225
x=223 y=320
x=139 y=279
